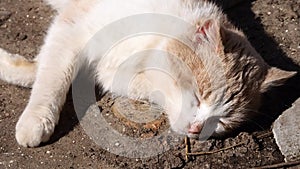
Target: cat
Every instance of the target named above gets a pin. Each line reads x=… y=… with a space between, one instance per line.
x=219 y=80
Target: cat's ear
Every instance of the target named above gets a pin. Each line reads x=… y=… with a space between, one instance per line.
x=276 y=77
x=209 y=32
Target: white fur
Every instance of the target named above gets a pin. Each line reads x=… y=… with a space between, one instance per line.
x=61 y=57
x=58 y=4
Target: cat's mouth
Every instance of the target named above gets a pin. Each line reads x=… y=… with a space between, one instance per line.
x=195 y=130
x=201 y=130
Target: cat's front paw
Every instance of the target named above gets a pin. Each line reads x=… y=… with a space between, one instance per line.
x=31 y=130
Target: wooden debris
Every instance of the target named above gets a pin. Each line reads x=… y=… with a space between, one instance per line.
x=223 y=149
x=216 y=151
x=186 y=141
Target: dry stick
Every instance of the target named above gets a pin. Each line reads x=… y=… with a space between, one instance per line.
x=216 y=151
x=223 y=149
x=186 y=148
x=265 y=135
x=279 y=165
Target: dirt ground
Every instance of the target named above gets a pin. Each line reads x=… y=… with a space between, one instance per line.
x=273 y=29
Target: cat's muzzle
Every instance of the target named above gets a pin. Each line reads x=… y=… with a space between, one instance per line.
x=194 y=130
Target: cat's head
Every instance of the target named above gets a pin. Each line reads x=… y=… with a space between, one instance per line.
x=231 y=77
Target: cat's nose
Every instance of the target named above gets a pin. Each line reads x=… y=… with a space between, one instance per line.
x=195 y=128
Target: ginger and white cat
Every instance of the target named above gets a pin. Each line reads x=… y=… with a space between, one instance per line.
x=191 y=98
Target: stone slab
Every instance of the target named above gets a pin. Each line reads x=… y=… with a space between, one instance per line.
x=286 y=130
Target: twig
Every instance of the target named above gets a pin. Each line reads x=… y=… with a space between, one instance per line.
x=223 y=149
x=279 y=165
x=216 y=151
x=264 y=135
x=186 y=148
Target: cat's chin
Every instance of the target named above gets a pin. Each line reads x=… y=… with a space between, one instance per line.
x=179 y=131
x=193 y=136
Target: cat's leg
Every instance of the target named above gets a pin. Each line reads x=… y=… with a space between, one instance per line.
x=58 y=63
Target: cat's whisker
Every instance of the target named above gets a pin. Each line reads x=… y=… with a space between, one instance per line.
x=219 y=64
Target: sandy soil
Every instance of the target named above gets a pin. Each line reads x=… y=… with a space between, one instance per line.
x=272 y=27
